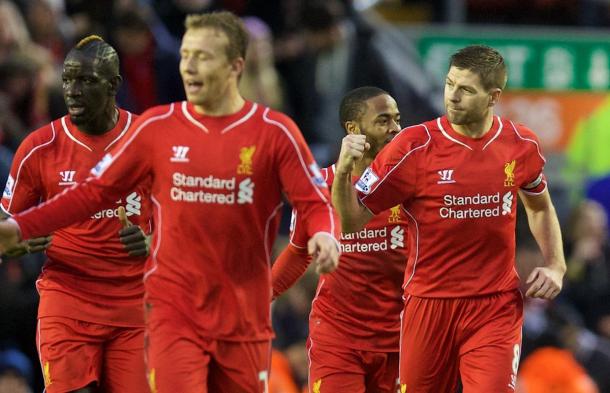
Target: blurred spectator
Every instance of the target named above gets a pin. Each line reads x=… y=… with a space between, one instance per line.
x=173 y=12
x=553 y=370
x=27 y=98
x=588 y=261
x=149 y=62
x=15 y=372
x=260 y=81
x=49 y=28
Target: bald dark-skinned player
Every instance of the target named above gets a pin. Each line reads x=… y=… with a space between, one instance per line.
x=90 y=334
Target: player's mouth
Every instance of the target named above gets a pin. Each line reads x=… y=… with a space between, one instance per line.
x=76 y=110
x=193 y=87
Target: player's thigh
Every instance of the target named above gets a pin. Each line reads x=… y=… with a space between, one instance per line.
x=334 y=368
x=428 y=349
x=176 y=359
x=240 y=367
x=124 y=367
x=490 y=358
x=381 y=370
x=70 y=353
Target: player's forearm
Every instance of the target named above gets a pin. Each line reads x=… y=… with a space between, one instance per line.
x=72 y=206
x=353 y=215
x=544 y=225
x=289 y=266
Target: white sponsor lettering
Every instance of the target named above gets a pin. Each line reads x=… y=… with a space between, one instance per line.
x=372 y=240
x=211 y=190
x=469 y=206
x=132 y=207
x=8 y=188
x=366 y=181
x=182 y=180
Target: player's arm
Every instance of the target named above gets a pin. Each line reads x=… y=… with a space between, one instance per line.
x=289 y=266
x=345 y=199
x=29 y=246
x=546 y=281
x=22 y=191
x=307 y=192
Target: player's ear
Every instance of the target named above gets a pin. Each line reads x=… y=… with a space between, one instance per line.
x=237 y=66
x=352 y=127
x=115 y=83
x=494 y=96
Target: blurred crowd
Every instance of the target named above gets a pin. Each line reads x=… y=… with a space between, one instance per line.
x=303 y=56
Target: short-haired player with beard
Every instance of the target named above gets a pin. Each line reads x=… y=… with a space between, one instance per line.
x=457 y=179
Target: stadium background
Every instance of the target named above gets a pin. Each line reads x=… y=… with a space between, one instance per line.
x=304 y=55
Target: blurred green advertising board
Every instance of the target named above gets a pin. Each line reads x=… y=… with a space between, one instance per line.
x=557 y=62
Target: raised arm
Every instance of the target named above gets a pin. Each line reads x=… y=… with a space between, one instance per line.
x=545 y=281
x=353 y=214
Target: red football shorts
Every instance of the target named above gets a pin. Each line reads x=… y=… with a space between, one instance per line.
x=74 y=354
x=477 y=338
x=180 y=360
x=335 y=368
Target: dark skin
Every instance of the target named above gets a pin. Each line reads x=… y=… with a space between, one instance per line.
x=90 y=81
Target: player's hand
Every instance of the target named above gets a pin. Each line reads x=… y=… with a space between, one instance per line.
x=324 y=252
x=29 y=246
x=10 y=235
x=133 y=238
x=353 y=148
x=544 y=283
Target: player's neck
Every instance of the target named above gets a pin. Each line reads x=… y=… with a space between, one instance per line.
x=228 y=104
x=475 y=130
x=103 y=124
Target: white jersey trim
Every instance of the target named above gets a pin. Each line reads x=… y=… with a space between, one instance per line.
x=397 y=164
x=446 y=135
x=190 y=117
x=157 y=246
x=8 y=209
x=408 y=281
x=303 y=165
x=242 y=120
x=67 y=131
x=127 y=124
x=497 y=132
x=529 y=140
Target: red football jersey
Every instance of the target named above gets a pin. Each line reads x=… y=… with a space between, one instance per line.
x=217 y=194
x=88 y=275
x=362 y=299
x=460 y=195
